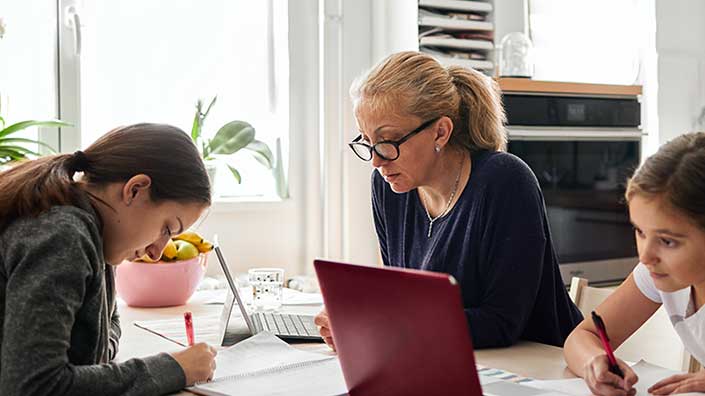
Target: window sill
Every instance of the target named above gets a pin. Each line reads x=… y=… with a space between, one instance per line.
x=251 y=203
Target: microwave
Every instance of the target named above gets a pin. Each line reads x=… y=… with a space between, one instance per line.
x=582 y=149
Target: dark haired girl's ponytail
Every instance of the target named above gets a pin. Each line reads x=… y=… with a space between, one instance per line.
x=32 y=187
x=164 y=153
x=79 y=162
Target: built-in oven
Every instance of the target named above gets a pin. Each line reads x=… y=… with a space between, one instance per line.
x=582 y=150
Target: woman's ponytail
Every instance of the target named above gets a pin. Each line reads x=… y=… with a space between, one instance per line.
x=415 y=83
x=481 y=113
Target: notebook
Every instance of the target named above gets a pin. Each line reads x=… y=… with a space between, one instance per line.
x=265 y=365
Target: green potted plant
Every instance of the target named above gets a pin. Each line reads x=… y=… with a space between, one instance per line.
x=12 y=148
x=228 y=140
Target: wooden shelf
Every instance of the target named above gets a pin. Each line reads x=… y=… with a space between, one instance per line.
x=528 y=85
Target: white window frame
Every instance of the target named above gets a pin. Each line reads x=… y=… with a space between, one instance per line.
x=330 y=43
x=70 y=94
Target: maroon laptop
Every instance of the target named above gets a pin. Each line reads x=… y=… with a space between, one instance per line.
x=398 y=331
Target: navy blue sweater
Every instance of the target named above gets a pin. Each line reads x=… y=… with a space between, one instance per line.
x=495 y=241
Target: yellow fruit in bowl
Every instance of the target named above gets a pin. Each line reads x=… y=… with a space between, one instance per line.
x=170 y=251
x=185 y=250
x=197 y=240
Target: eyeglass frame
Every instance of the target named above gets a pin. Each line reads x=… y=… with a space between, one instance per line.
x=395 y=143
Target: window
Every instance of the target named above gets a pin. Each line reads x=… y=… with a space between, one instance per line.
x=147 y=60
x=599 y=41
x=27 y=64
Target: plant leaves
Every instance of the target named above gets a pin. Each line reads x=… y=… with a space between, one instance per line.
x=8 y=155
x=232 y=137
x=199 y=119
x=23 y=140
x=30 y=123
x=205 y=150
x=6 y=152
x=235 y=173
x=196 y=126
x=262 y=153
x=209 y=107
x=19 y=149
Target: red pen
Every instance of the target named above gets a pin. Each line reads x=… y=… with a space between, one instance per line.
x=188 y=321
x=602 y=331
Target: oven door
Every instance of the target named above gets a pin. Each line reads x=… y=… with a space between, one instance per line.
x=583 y=174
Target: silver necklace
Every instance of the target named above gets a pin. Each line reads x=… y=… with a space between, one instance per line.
x=431 y=220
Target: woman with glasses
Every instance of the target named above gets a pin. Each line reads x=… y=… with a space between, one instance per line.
x=447 y=198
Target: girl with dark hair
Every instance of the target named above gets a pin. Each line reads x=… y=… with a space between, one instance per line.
x=666 y=199
x=65 y=222
x=447 y=198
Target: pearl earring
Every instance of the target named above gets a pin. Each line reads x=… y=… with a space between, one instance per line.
x=438 y=148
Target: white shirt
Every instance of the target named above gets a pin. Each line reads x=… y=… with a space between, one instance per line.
x=689 y=325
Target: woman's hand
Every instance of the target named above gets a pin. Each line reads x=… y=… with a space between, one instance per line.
x=604 y=383
x=680 y=383
x=321 y=320
x=197 y=361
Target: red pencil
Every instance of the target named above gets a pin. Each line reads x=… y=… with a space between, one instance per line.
x=188 y=321
x=602 y=331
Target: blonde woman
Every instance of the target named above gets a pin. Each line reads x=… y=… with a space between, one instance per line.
x=447 y=198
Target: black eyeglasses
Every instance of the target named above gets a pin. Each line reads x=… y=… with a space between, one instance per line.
x=386 y=149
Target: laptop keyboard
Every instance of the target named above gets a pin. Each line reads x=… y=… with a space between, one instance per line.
x=284 y=324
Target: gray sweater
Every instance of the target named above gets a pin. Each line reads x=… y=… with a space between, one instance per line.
x=59 y=326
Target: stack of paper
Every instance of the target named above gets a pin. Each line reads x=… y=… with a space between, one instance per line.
x=457 y=32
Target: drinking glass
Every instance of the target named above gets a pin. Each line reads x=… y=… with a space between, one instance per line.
x=267 y=286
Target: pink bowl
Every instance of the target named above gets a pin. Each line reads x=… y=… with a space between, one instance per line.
x=159 y=284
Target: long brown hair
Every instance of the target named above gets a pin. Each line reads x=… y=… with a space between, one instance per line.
x=164 y=153
x=414 y=83
x=675 y=173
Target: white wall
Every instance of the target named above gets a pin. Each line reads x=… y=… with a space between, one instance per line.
x=510 y=16
x=680 y=43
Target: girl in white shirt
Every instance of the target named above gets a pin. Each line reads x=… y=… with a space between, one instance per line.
x=666 y=198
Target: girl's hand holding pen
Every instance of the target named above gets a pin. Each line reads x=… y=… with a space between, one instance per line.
x=602 y=382
x=197 y=361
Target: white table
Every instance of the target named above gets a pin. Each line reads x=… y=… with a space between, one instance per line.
x=527 y=359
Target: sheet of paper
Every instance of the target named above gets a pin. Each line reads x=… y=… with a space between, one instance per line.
x=648 y=374
x=498 y=382
x=264 y=364
x=295 y=297
x=205 y=329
